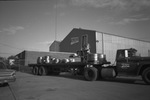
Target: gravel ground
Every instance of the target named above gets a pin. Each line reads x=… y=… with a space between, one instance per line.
x=68 y=87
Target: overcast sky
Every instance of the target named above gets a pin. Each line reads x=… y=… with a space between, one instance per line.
x=31 y=24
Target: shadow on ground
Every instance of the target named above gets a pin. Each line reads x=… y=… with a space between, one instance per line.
x=125 y=80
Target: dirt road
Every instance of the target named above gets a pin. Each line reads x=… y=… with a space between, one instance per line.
x=68 y=87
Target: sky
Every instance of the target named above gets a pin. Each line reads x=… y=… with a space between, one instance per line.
x=34 y=24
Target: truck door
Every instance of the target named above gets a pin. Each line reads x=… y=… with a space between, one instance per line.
x=126 y=63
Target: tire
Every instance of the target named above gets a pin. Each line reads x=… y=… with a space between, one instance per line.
x=42 y=71
x=146 y=75
x=90 y=73
x=35 y=70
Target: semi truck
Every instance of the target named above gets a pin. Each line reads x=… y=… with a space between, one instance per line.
x=94 y=66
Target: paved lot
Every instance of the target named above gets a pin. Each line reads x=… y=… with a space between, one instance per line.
x=67 y=87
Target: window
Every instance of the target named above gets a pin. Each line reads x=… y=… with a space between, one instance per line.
x=84 y=41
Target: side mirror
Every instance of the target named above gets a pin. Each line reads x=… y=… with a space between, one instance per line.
x=126 y=54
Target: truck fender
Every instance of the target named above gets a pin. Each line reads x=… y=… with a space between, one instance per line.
x=146 y=75
x=142 y=68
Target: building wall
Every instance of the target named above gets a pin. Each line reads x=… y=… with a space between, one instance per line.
x=55 y=46
x=103 y=43
x=20 y=58
x=72 y=42
x=111 y=43
x=31 y=56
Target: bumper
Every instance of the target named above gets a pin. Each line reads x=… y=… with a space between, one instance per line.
x=7 y=79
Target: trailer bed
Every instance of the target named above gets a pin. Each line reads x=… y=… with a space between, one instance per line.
x=69 y=64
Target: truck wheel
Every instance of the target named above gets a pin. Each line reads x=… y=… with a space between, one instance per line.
x=35 y=70
x=42 y=71
x=90 y=73
x=146 y=75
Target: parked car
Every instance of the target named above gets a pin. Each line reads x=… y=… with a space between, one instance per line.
x=6 y=75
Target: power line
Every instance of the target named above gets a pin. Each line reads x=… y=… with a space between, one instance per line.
x=56 y=22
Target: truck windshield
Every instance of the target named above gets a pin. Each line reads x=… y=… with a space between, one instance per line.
x=132 y=53
x=121 y=54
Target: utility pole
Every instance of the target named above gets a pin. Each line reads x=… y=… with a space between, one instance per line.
x=55 y=26
x=103 y=43
x=56 y=21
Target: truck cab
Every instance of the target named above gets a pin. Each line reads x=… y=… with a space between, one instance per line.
x=129 y=64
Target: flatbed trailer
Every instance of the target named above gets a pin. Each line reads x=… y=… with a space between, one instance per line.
x=89 y=70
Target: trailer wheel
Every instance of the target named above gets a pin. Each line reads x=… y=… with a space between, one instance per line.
x=146 y=75
x=35 y=70
x=90 y=73
x=42 y=71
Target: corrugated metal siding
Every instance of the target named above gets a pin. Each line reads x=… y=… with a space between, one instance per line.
x=112 y=43
x=99 y=42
